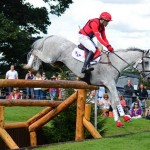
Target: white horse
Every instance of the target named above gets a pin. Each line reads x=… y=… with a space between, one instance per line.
x=55 y=49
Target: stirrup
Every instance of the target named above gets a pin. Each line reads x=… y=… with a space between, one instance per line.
x=87 y=70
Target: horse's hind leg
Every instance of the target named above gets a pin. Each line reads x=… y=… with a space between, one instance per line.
x=42 y=57
x=30 y=62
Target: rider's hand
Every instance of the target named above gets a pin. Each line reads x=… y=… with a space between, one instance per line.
x=110 y=48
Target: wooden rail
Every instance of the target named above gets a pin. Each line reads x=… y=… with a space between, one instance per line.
x=45 y=84
x=24 y=103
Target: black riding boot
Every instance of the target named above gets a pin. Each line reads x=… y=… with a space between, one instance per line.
x=86 y=66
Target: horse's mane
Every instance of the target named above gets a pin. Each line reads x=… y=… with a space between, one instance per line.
x=129 y=49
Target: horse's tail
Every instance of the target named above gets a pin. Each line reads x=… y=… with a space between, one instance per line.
x=37 y=45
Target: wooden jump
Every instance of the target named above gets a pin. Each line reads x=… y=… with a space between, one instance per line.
x=20 y=83
x=52 y=110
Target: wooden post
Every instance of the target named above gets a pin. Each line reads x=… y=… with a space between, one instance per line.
x=46 y=118
x=39 y=115
x=7 y=139
x=1 y=116
x=91 y=129
x=80 y=114
x=87 y=112
x=33 y=139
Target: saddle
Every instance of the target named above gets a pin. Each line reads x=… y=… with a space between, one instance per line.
x=96 y=54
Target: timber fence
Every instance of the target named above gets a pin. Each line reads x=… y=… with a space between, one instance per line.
x=52 y=110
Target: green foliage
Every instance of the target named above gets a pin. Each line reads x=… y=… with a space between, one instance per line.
x=19 y=21
x=64 y=125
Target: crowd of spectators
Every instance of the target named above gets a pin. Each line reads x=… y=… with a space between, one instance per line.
x=31 y=93
x=133 y=101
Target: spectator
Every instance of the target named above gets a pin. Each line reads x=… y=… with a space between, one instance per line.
x=105 y=104
x=11 y=74
x=123 y=103
x=14 y=94
x=142 y=95
x=2 y=93
x=44 y=90
x=21 y=95
x=101 y=92
x=37 y=91
x=54 y=92
x=129 y=90
x=147 y=113
x=29 y=91
x=136 y=111
x=62 y=91
x=90 y=96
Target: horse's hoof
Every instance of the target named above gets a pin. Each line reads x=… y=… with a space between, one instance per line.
x=119 y=124
x=26 y=67
x=126 y=118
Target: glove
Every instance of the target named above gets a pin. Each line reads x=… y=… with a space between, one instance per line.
x=110 y=48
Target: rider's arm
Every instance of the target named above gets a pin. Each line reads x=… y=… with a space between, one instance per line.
x=104 y=36
x=94 y=27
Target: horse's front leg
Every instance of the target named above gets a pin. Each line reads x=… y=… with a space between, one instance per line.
x=115 y=103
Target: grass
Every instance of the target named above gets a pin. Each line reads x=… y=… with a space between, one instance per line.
x=137 y=139
x=133 y=142
x=20 y=114
x=136 y=125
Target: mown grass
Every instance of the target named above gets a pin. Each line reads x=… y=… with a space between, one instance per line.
x=20 y=114
x=138 y=141
x=134 y=126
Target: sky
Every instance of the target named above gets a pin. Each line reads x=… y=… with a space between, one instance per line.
x=130 y=26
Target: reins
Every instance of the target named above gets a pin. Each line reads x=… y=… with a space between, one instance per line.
x=129 y=65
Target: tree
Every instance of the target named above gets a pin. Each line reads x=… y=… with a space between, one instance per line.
x=19 y=21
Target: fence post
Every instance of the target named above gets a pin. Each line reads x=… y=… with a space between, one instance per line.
x=33 y=139
x=2 y=116
x=80 y=114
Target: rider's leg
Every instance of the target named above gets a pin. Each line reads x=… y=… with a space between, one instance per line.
x=87 y=62
x=90 y=45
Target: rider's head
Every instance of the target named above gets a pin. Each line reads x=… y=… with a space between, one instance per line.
x=105 y=17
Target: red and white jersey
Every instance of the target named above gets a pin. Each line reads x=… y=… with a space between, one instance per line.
x=94 y=28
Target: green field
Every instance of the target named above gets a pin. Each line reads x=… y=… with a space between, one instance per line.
x=139 y=141
x=19 y=114
x=137 y=133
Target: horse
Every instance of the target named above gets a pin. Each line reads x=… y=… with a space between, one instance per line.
x=54 y=49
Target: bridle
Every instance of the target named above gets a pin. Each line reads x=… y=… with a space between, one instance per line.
x=132 y=66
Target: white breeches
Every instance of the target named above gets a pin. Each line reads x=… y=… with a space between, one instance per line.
x=85 y=41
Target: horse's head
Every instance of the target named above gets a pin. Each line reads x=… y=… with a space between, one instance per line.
x=143 y=64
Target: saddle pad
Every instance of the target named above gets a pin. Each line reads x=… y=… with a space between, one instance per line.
x=79 y=55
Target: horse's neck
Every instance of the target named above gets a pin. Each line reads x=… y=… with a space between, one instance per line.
x=128 y=57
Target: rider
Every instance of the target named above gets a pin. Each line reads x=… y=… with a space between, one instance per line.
x=94 y=27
